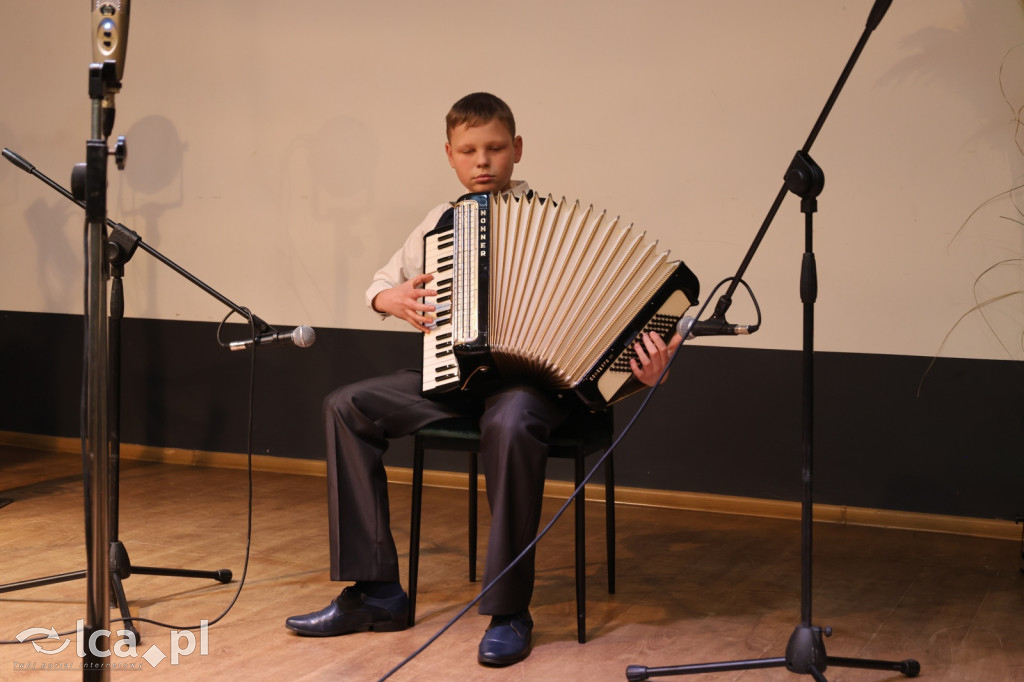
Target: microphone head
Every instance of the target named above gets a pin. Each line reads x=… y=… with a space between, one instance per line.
x=303 y=336
x=684 y=326
x=110 y=18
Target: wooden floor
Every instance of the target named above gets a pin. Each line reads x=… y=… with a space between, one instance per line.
x=692 y=587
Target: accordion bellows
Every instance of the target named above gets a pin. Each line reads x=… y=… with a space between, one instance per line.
x=546 y=290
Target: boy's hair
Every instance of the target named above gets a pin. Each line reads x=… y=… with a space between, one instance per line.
x=478 y=109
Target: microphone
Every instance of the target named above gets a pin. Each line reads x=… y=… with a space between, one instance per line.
x=301 y=336
x=689 y=328
x=110 y=21
x=110 y=18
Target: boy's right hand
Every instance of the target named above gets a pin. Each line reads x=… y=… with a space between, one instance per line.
x=403 y=302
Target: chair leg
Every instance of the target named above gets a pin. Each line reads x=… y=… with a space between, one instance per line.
x=414 y=527
x=581 y=553
x=609 y=518
x=473 y=482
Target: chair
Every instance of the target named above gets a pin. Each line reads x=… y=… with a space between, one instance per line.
x=582 y=435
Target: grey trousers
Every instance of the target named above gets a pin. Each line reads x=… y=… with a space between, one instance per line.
x=516 y=422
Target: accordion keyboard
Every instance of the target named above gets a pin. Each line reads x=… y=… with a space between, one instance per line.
x=440 y=369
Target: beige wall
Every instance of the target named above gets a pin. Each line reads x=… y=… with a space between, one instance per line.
x=282 y=151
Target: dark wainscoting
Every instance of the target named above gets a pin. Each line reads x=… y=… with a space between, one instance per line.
x=727 y=422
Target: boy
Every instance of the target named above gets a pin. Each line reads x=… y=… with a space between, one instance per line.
x=516 y=420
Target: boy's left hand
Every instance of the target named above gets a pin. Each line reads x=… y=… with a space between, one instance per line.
x=653 y=355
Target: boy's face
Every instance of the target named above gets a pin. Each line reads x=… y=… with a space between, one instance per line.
x=483 y=156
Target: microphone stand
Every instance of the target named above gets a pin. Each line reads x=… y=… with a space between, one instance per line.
x=805 y=651
x=103 y=468
x=102 y=82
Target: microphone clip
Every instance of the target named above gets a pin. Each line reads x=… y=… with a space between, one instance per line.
x=103 y=81
x=103 y=85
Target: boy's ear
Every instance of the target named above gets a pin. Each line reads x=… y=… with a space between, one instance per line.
x=448 y=153
x=517 y=146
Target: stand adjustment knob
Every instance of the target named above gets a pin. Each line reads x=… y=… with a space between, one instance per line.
x=120 y=152
x=78 y=182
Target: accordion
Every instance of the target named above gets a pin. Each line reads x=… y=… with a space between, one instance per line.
x=550 y=292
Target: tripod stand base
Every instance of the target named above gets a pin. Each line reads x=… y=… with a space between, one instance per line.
x=120 y=569
x=805 y=655
x=635 y=673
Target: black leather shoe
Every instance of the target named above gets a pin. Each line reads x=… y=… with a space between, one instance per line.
x=507 y=640
x=353 y=611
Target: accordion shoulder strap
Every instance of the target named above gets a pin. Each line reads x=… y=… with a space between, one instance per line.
x=447 y=219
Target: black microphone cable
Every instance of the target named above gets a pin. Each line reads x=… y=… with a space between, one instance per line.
x=544 y=531
x=249 y=507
